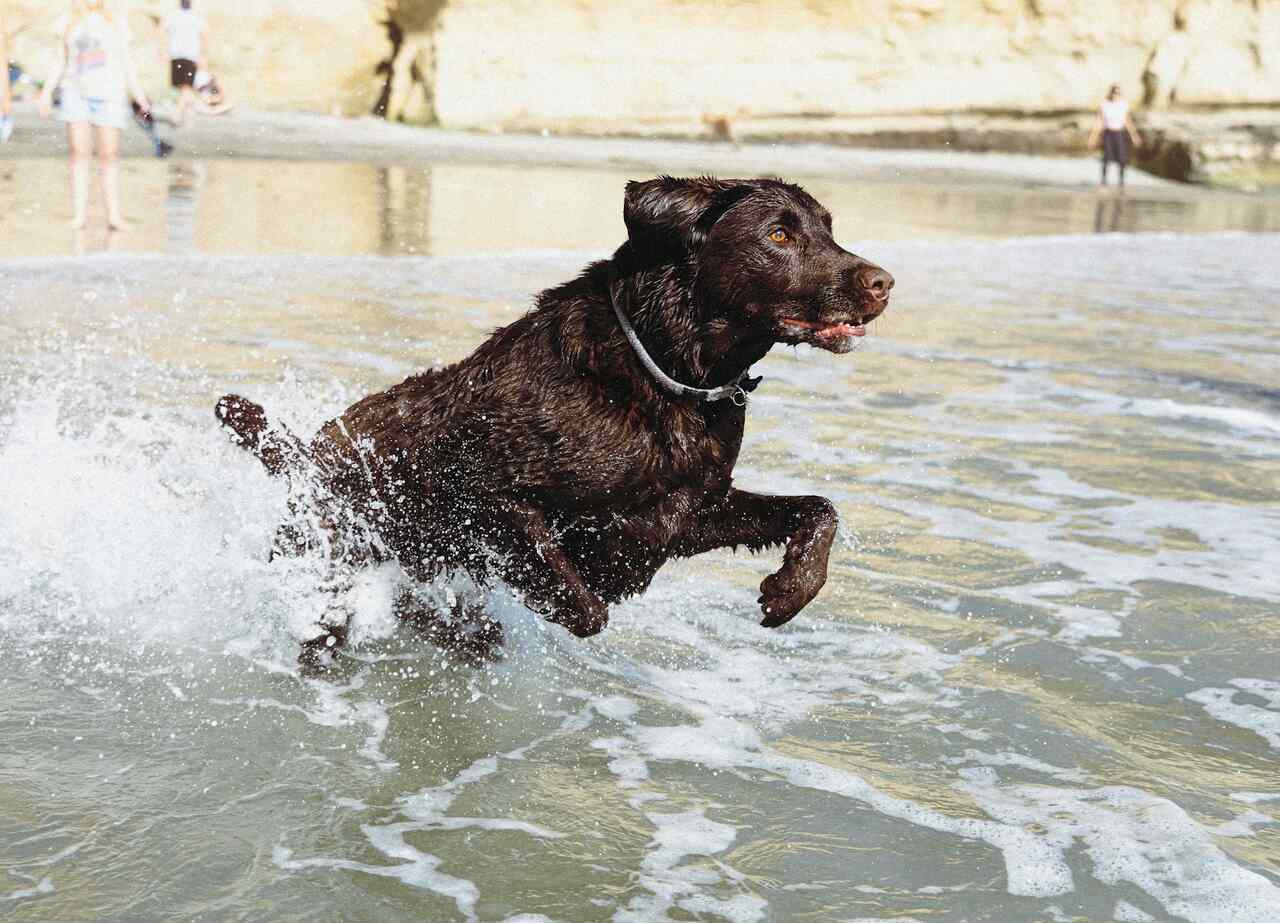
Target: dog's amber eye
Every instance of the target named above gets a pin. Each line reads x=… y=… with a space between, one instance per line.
x=778 y=236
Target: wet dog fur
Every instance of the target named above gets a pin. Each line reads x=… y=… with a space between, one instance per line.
x=552 y=460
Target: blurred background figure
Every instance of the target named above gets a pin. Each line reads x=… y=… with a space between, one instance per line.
x=6 y=97
x=94 y=75
x=146 y=121
x=188 y=46
x=210 y=99
x=1114 y=127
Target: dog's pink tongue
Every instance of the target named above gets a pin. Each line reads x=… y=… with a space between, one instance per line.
x=842 y=330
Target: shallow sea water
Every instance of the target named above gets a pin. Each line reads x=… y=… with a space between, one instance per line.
x=1042 y=684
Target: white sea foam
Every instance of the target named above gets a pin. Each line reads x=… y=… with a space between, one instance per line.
x=1131 y=836
x=417 y=869
x=97 y=524
x=676 y=838
x=1034 y=864
x=428 y=809
x=1005 y=758
x=41 y=887
x=1255 y=797
x=1250 y=421
x=1127 y=913
x=1263 y=720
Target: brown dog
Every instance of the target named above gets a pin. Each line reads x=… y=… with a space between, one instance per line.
x=578 y=449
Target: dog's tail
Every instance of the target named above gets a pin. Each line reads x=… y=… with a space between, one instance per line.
x=280 y=451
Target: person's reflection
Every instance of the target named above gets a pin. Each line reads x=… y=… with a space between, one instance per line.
x=112 y=243
x=1107 y=214
x=406 y=210
x=185 y=182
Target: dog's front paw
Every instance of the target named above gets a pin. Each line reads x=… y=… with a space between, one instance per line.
x=580 y=624
x=785 y=593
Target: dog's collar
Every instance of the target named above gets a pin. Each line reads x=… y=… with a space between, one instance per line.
x=736 y=390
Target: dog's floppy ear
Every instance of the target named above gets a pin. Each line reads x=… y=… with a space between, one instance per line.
x=676 y=214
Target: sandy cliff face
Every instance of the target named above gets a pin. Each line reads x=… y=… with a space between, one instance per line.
x=611 y=64
x=617 y=64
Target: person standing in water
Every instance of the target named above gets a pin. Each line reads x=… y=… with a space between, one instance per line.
x=6 y=97
x=1114 y=127
x=188 y=38
x=96 y=74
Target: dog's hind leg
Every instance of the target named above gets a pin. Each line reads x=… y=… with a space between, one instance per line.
x=317 y=654
x=340 y=558
x=465 y=633
x=320 y=523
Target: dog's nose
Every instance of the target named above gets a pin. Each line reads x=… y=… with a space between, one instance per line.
x=876 y=281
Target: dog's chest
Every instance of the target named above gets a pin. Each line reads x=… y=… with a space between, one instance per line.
x=696 y=452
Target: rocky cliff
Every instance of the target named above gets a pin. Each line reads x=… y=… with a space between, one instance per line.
x=624 y=65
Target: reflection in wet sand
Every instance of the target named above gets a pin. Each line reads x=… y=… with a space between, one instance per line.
x=243 y=207
x=186 y=180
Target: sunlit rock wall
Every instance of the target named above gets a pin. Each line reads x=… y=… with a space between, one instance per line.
x=619 y=63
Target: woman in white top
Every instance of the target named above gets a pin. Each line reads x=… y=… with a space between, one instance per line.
x=96 y=76
x=1114 y=126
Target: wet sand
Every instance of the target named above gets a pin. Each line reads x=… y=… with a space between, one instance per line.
x=246 y=207
x=255 y=183
x=251 y=135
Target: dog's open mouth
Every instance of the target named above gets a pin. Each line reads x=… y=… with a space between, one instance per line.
x=828 y=331
x=836 y=337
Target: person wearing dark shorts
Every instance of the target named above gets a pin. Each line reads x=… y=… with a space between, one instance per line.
x=182 y=73
x=1115 y=128
x=188 y=38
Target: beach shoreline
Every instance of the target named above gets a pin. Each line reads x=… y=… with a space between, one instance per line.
x=260 y=135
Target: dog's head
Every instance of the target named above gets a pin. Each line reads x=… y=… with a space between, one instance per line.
x=762 y=255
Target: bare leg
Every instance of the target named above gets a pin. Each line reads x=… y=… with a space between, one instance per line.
x=806 y=524
x=109 y=163
x=186 y=102
x=80 y=139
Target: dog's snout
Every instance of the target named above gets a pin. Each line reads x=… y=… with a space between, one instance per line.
x=876 y=281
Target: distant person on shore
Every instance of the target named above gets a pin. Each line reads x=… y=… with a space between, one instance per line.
x=6 y=96
x=1114 y=127
x=96 y=77
x=188 y=41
